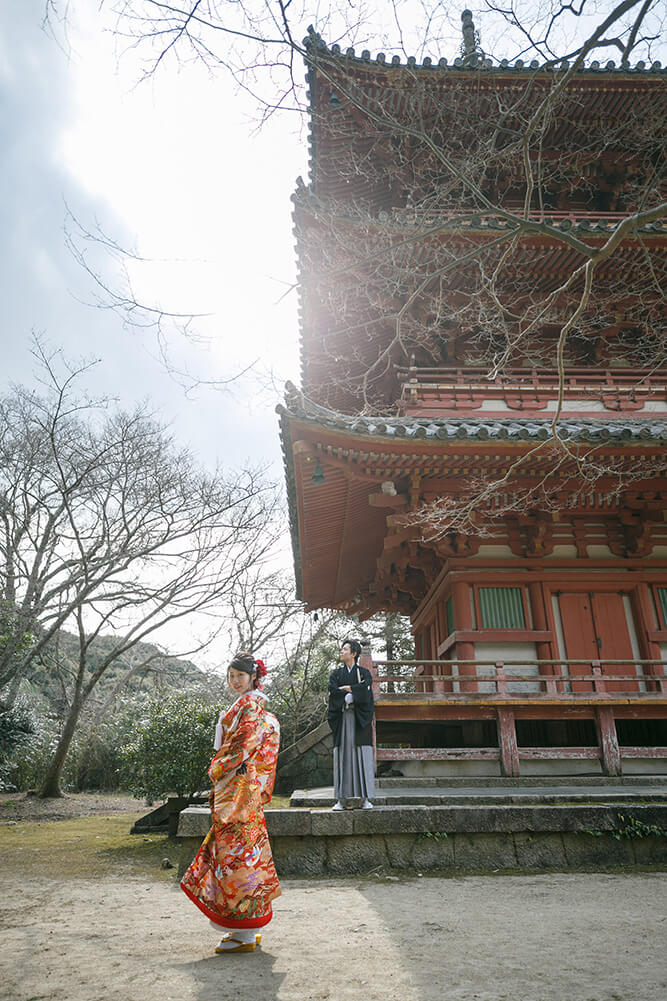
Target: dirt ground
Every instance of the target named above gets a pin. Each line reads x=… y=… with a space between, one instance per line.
x=88 y=914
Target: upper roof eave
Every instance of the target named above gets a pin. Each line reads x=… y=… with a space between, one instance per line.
x=648 y=431
x=475 y=64
x=592 y=223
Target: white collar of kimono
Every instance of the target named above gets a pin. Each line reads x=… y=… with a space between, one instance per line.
x=217 y=743
x=255 y=694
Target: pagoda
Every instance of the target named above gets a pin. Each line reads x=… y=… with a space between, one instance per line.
x=479 y=438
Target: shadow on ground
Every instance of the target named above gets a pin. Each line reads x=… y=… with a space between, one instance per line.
x=228 y=978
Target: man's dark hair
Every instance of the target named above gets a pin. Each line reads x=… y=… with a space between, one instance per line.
x=354 y=645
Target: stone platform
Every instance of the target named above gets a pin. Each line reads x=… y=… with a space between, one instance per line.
x=463 y=829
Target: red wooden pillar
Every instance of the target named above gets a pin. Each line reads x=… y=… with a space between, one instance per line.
x=541 y=622
x=611 y=752
x=366 y=660
x=509 y=750
x=463 y=621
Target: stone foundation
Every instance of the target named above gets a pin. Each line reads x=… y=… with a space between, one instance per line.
x=460 y=839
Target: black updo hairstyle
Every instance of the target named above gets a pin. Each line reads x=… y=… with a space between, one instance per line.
x=355 y=647
x=244 y=661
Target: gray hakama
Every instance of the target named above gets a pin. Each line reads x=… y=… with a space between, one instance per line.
x=353 y=767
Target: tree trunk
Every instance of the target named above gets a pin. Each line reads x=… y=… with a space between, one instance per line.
x=51 y=785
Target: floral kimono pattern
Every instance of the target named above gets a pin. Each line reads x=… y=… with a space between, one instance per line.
x=233 y=879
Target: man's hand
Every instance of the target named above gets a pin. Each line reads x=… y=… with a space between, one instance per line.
x=345 y=688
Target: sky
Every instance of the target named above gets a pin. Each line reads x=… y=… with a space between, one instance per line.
x=174 y=170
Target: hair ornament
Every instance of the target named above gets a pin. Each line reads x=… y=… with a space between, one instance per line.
x=260 y=670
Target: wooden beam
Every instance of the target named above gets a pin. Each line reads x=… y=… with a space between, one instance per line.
x=388 y=500
x=438 y=754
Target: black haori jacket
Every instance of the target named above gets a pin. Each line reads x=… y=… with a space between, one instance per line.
x=363 y=705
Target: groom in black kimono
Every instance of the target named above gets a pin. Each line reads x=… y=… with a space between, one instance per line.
x=351 y=709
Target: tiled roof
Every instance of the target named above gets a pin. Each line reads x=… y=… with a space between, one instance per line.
x=580 y=222
x=476 y=62
x=513 y=429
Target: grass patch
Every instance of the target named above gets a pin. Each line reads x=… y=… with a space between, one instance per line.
x=84 y=848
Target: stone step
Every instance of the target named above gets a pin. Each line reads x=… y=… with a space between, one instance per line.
x=442 y=796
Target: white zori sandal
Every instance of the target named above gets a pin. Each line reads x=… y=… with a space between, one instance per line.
x=239 y=941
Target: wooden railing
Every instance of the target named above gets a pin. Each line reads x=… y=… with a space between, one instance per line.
x=527 y=389
x=573 y=215
x=538 y=679
x=504 y=688
x=582 y=378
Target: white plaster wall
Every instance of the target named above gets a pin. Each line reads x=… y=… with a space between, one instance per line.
x=563 y=549
x=574 y=406
x=497 y=406
x=655 y=406
x=446 y=769
x=644 y=766
x=599 y=551
x=505 y=651
x=562 y=766
x=491 y=550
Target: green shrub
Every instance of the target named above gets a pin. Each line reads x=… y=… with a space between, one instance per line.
x=17 y=726
x=29 y=762
x=170 y=747
x=95 y=757
x=92 y=763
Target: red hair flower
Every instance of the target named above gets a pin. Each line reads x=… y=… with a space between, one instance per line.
x=260 y=669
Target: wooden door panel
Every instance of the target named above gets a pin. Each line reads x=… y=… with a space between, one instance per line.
x=595 y=628
x=611 y=626
x=579 y=634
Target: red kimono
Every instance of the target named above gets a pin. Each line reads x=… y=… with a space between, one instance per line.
x=233 y=879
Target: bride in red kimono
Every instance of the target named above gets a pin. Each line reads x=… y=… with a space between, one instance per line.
x=233 y=879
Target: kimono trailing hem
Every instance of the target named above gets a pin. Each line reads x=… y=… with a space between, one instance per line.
x=227 y=922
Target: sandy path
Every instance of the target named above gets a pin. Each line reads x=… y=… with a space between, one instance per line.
x=563 y=937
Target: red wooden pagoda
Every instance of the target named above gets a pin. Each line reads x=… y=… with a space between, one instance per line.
x=452 y=455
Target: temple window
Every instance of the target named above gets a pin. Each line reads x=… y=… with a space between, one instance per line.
x=501 y=607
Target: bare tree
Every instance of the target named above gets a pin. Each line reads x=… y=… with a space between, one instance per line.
x=263 y=611
x=298 y=683
x=107 y=527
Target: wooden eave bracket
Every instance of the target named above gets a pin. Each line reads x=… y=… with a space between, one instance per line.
x=395 y=501
x=397 y=538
